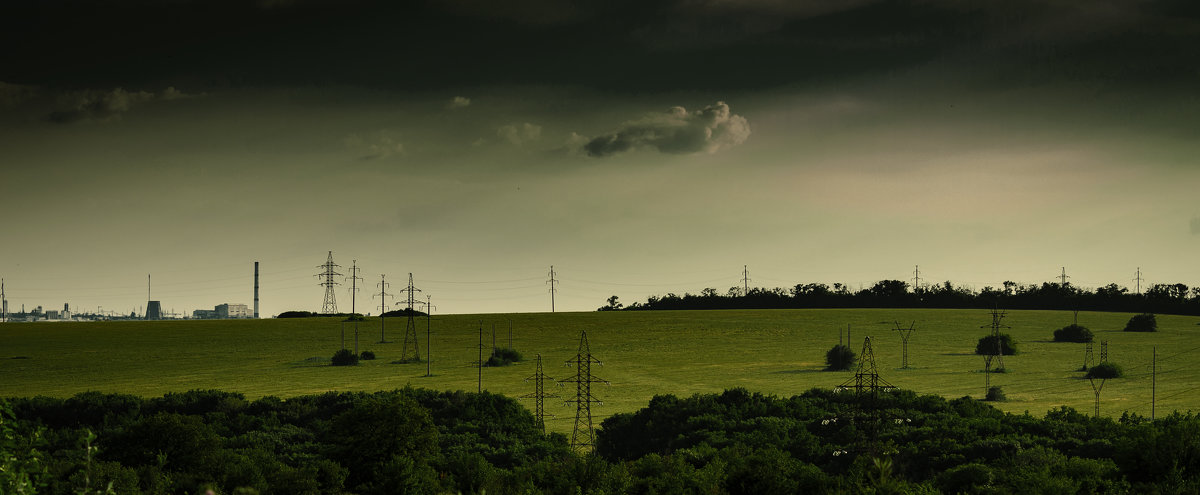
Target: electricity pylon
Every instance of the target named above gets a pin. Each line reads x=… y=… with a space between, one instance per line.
x=383 y=295
x=998 y=357
x=905 y=333
x=354 y=278
x=410 y=332
x=553 y=287
x=326 y=276
x=866 y=379
x=583 y=437
x=539 y=394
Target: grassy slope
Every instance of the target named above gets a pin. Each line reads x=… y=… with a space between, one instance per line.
x=644 y=353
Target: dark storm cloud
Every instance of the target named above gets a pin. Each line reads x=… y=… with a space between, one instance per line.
x=675 y=131
x=667 y=44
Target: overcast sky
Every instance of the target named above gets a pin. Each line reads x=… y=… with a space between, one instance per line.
x=639 y=147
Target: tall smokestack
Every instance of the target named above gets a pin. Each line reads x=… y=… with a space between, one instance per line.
x=256 y=289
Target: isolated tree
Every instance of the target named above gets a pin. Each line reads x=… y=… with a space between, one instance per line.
x=987 y=345
x=613 y=305
x=1105 y=371
x=839 y=358
x=1073 y=333
x=1145 y=322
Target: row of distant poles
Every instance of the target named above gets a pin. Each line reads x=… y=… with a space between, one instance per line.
x=583 y=436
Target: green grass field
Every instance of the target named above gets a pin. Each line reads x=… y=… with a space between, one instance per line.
x=644 y=353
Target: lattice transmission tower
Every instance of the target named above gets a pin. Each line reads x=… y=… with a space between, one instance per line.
x=539 y=395
x=326 y=276
x=998 y=357
x=866 y=379
x=583 y=437
x=905 y=333
x=354 y=278
x=410 y=332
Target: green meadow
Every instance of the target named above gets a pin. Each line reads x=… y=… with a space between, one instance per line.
x=779 y=352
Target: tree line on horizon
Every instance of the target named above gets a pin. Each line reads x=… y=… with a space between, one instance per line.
x=1159 y=298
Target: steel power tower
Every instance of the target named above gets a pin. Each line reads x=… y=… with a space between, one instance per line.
x=1063 y=278
x=583 y=437
x=553 y=287
x=905 y=333
x=326 y=277
x=410 y=332
x=353 y=278
x=539 y=394
x=866 y=379
x=745 y=281
x=383 y=295
x=998 y=357
x=1137 y=279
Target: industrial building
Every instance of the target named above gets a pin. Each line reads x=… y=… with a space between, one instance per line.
x=223 y=312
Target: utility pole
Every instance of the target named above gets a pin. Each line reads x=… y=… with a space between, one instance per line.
x=480 y=356
x=510 y=344
x=905 y=333
x=353 y=278
x=1153 y=379
x=383 y=295
x=429 y=307
x=745 y=281
x=326 y=277
x=4 y=303
x=553 y=283
x=916 y=278
x=1137 y=279
x=583 y=437
x=539 y=411
x=1063 y=278
x=410 y=332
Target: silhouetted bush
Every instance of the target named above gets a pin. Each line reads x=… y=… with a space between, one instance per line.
x=995 y=394
x=1073 y=333
x=1105 y=370
x=296 y=314
x=344 y=357
x=987 y=345
x=366 y=355
x=503 y=356
x=1145 y=322
x=839 y=358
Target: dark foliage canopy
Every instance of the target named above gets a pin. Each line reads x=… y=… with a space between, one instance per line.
x=1073 y=333
x=1145 y=322
x=987 y=345
x=839 y=358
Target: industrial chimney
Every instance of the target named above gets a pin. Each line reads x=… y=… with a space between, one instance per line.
x=255 y=289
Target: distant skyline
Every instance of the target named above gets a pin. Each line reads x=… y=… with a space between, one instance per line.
x=639 y=147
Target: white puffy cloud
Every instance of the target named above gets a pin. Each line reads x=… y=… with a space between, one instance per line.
x=458 y=102
x=519 y=134
x=676 y=130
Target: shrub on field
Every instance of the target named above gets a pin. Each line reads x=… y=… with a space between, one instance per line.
x=987 y=345
x=1073 y=333
x=344 y=357
x=503 y=356
x=1145 y=322
x=995 y=394
x=366 y=355
x=1105 y=370
x=839 y=358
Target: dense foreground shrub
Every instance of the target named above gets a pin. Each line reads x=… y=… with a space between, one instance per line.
x=1073 y=333
x=1145 y=322
x=344 y=357
x=1105 y=370
x=995 y=394
x=987 y=345
x=839 y=358
x=366 y=355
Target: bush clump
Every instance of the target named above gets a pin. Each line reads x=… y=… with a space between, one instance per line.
x=995 y=394
x=839 y=358
x=987 y=345
x=344 y=357
x=366 y=355
x=1145 y=322
x=1105 y=370
x=503 y=356
x=1073 y=333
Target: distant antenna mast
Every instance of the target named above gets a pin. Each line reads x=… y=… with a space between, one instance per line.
x=1063 y=278
x=583 y=437
x=326 y=277
x=410 y=332
x=745 y=280
x=383 y=295
x=1137 y=279
x=353 y=278
x=553 y=283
